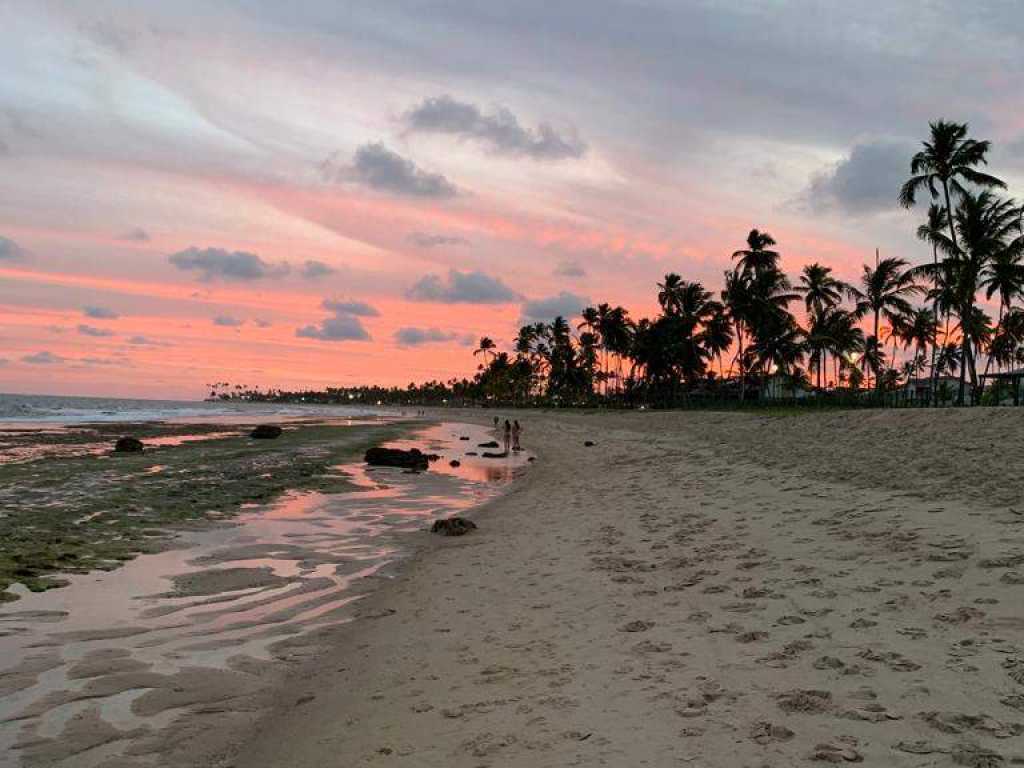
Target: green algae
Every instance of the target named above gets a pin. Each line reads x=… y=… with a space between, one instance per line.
x=68 y=515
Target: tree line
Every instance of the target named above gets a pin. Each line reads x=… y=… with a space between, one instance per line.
x=898 y=323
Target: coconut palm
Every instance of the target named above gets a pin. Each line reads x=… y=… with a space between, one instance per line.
x=933 y=233
x=949 y=160
x=883 y=292
x=616 y=331
x=819 y=288
x=989 y=231
x=669 y=293
x=485 y=347
x=718 y=336
x=757 y=256
x=919 y=331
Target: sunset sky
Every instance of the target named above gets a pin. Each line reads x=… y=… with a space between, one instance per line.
x=325 y=192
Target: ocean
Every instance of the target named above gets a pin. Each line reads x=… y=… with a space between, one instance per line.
x=53 y=409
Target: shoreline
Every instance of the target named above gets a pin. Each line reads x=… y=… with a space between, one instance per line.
x=217 y=616
x=103 y=509
x=659 y=599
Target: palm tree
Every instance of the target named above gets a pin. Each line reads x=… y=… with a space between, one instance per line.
x=669 y=293
x=920 y=331
x=932 y=232
x=989 y=229
x=819 y=288
x=882 y=292
x=485 y=347
x=718 y=336
x=617 y=335
x=737 y=301
x=949 y=159
x=757 y=256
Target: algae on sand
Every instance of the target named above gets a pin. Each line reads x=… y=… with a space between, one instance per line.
x=85 y=513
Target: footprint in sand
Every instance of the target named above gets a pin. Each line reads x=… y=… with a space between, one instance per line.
x=764 y=732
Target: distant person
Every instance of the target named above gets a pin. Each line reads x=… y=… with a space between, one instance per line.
x=495 y=422
x=508 y=436
x=516 y=432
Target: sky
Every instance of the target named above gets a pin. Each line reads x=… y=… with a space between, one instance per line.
x=318 y=193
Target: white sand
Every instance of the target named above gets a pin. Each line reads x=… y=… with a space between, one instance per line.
x=698 y=589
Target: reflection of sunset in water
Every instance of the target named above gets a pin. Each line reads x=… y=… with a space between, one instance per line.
x=282 y=569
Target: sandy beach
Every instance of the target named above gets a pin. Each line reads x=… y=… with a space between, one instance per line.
x=695 y=589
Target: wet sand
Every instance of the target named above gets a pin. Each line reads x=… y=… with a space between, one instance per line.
x=172 y=655
x=695 y=589
x=68 y=504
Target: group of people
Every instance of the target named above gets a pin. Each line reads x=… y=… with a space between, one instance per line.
x=511 y=431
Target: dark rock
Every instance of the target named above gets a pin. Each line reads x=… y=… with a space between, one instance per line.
x=128 y=445
x=453 y=526
x=396 y=457
x=489 y=455
x=454 y=463
x=490 y=444
x=266 y=432
x=464 y=437
x=432 y=457
x=472 y=453
x=531 y=458
x=589 y=443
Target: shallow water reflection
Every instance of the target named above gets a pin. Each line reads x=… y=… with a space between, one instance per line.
x=231 y=593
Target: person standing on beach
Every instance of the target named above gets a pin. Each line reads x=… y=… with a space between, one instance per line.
x=508 y=436
x=516 y=431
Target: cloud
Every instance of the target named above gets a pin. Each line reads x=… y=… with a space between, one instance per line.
x=313 y=269
x=10 y=250
x=88 y=330
x=4 y=361
x=100 y=313
x=426 y=240
x=565 y=305
x=227 y=321
x=219 y=264
x=42 y=358
x=462 y=288
x=136 y=235
x=377 y=167
x=337 y=328
x=570 y=269
x=358 y=308
x=866 y=181
x=106 y=361
x=145 y=341
x=344 y=325
x=499 y=129
x=263 y=323
x=415 y=337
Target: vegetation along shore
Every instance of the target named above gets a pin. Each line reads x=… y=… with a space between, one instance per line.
x=903 y=333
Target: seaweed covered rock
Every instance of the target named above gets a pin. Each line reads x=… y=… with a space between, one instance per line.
x=491 y=455
x=453 y=526
x=266 y=432
x=128 y=445
x=489 y=444
x=396 y=457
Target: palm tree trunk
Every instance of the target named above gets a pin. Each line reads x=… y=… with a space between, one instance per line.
x=878 y=362
x=988 y=363
x=932 y=376
x=964 y=351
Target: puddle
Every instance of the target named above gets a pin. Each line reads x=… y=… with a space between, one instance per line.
x=277 y=571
